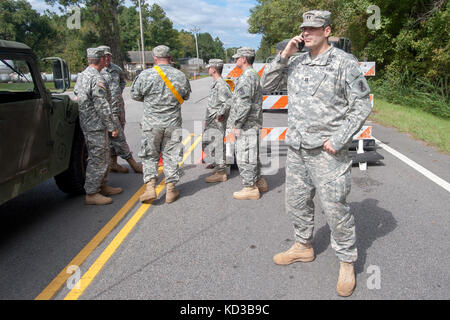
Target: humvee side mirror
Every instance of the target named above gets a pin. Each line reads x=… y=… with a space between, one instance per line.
x=61 y=74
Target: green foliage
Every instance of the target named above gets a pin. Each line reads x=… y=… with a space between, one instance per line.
x=411 y=49
x=209 y=48
x=19 y=22
x=103 y=22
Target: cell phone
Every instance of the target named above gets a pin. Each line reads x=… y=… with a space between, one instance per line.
x=301 y=44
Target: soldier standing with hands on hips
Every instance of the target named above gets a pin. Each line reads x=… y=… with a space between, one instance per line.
x=162 y=89
x=96 y=120
x=328 y=104
x=115 y=78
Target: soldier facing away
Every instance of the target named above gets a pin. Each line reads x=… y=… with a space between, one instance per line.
x=216 y=119
x=328 y=104
x=245 y=121
x=162 y=89
x=115 y=78
x=96 y=120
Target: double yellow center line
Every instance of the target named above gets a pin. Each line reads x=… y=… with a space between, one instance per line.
x=93 y=271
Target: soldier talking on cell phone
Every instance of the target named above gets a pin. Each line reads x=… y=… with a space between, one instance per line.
x=328 y=103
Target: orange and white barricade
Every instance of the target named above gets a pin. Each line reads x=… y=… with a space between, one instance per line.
x=275 y=102
x=230 y=70
x=368 y=68
x=364 y=134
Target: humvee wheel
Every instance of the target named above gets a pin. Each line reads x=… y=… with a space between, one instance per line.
x=72 y=180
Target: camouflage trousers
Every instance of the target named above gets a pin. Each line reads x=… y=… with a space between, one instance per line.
x=118 y=145
x=213 y=145
x=98 y=160
x=166 y=141
x=247 y=156
x=316 y=169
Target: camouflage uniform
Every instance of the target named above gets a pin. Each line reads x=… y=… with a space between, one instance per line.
x=328 y=99
x=115 y=78
x=95 y=121
x=161 y=123
x=220 y=94
x=246 y=115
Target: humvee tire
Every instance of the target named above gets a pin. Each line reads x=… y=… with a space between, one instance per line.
x=72 y=180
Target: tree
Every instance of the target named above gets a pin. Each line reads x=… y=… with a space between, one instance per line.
x=413 y=34
x=187 y=44
x=161 y=31
x=20 y=22
x=104 y=15
x=209 y=48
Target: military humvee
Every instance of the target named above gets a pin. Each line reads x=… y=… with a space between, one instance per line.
x=40 y=136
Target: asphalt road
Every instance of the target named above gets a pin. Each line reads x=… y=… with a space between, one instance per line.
x=207 y=245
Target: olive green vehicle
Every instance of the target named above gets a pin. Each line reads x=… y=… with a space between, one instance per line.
x=40 y=136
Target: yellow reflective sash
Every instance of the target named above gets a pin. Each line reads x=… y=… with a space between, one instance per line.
x=169 y=84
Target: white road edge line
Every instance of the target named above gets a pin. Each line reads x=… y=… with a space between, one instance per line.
x=439 y=181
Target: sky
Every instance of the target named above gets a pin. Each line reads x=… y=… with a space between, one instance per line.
x=226 y=19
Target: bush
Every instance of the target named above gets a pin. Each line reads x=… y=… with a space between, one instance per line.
x=410 y=90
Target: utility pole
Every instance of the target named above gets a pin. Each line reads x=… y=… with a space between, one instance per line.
x=195 y=30
x=142 y=37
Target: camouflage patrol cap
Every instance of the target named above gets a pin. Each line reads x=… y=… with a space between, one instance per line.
x=244 y=52
x=106 y=49
x=215 y=63
x=316 y=18
x=161 y=51
x=95 y=53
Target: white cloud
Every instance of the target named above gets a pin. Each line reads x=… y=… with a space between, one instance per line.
x=41 y=6
x=226 y=19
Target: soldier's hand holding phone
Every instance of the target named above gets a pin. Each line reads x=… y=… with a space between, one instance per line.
x=296 y=44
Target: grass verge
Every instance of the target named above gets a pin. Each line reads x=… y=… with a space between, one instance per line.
x=419 y=124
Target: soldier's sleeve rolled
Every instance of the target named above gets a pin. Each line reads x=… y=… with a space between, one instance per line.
x=359 y=106
x=274 y=74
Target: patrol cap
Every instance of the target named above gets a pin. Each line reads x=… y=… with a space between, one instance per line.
x=215 y=63
x=316 y=18
x=106 y=49
x=161 y=51
x=95 y=53
x=244 y=52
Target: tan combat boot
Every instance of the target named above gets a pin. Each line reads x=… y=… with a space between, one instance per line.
x=346 y=281
x=172 y=194
x=115 y=167
x=97 y=199
x=247 y=193
x=150 y=192
x=109 y=191
x=137 y=167
x=262 y=185
x=219 y=176
x=298 y=252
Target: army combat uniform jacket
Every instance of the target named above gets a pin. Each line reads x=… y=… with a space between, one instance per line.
x=328 y=97
x=220 y=94
x=161 y=108
x=117 y=83
x=246 y=104
x=93 y=106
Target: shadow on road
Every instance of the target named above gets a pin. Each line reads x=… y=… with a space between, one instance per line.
x=372 y=223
